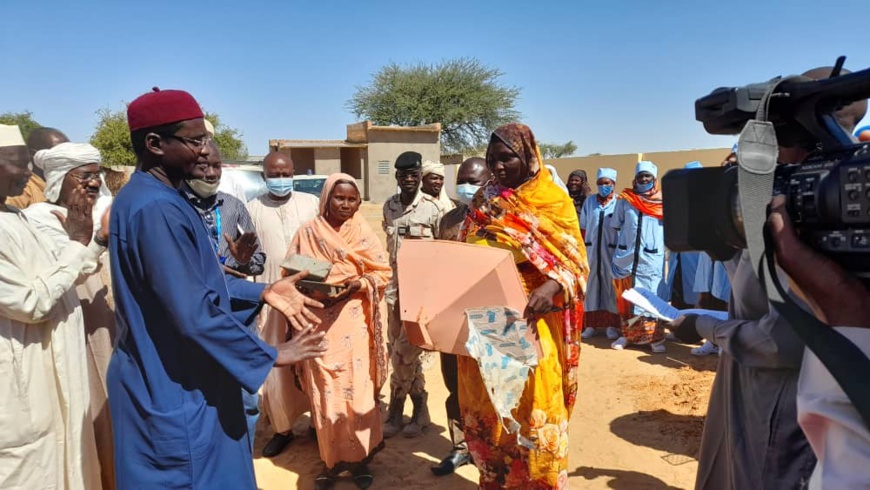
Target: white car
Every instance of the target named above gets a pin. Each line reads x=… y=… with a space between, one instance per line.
x=243 y=181
x=310 y=184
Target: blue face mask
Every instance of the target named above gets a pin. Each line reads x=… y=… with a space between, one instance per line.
x=466 y=192
x=605 y=190
x=643 y=189
x=280 y=186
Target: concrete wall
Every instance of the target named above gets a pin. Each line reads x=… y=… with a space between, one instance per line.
x=385 y=145
x=358 y=132
x=327 y=161
x=352 y=162
x=303 y=160
x=624 y=164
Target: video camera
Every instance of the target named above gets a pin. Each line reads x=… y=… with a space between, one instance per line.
x=828 y=194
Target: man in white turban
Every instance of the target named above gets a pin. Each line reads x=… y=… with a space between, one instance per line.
x=73 y=169
x=45 y=440
x=433 y=184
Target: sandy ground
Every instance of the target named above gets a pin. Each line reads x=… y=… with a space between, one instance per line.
x=637 y=425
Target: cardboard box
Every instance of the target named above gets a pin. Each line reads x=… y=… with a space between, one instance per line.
x=439 y=280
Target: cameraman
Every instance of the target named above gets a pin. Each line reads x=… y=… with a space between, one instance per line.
x=834 y=428
x=751 y=436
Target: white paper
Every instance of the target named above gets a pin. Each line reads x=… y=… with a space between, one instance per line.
x=659 y=308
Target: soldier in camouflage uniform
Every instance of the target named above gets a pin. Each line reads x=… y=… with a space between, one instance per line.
x=409 y=215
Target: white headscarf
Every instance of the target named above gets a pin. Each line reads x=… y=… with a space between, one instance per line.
x=556 y=178
x=437 y=168
x=58 y=161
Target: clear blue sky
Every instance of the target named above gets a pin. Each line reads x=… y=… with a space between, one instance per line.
x=613 y=76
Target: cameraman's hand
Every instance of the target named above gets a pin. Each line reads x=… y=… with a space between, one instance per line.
x=683 y=328
x=836 y=297
x=676 y=322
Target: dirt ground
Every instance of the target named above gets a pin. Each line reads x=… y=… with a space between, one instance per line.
x=637 y=425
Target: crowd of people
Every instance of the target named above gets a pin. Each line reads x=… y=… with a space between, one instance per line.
x=144 y=332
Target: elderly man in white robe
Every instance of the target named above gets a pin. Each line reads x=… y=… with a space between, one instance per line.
x=277 y=216
x=46 y=438
x=69 y=167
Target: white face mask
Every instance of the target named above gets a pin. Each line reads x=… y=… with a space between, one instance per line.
x=466 y=192
x=280 y=186
x=203 y=188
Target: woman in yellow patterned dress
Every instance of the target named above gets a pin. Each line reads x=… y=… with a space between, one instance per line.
x=522 y=210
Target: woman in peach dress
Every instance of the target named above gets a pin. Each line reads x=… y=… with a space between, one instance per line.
x=343 y=385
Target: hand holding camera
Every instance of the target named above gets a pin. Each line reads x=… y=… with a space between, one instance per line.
x=837 y=297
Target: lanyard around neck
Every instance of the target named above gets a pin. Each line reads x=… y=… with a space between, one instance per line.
x=218 y=228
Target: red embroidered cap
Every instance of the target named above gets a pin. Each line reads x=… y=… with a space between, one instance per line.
x=161 y=107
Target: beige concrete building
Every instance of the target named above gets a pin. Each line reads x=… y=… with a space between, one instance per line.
x=368 y=154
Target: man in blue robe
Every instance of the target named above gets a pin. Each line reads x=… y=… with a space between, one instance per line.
x=183 y=352
x=600 y=306
x=640 y=252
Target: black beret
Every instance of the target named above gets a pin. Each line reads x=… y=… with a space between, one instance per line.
x=409 y=160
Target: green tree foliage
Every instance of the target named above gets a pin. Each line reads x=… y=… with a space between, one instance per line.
x=24 y=121
x=112 y=138
x=462 y=94
x=229 y=140
x=553 y=150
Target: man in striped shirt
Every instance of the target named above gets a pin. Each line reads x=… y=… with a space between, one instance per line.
x=229 y=224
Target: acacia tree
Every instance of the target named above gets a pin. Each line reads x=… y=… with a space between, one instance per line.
x=24 y=121
x=112 y=138
x=553 y=150
x=464 y=95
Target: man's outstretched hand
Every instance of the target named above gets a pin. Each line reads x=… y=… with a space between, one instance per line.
x=303 y=345
x=284 y=297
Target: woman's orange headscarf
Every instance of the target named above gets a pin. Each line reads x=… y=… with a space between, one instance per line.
x=538 y=219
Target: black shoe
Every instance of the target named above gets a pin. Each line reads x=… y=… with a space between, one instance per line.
x=449 y=464
x=277 y=444
x=362 y=477
x=323 y=481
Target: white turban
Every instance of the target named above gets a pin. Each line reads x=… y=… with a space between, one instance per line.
x=209 y=127
x=60 y=160
x=10 y=135
x=430 y=167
